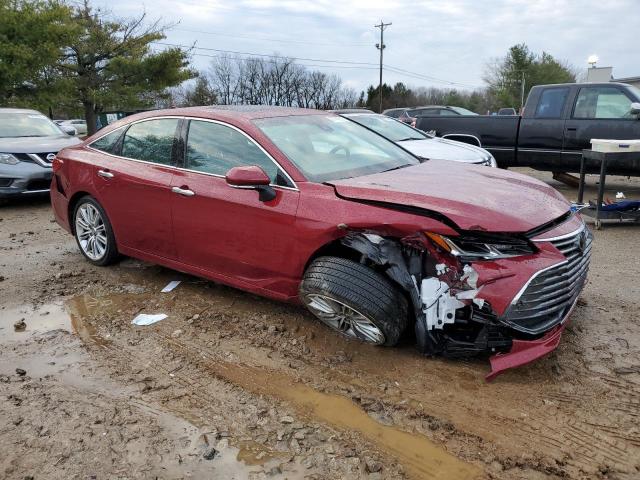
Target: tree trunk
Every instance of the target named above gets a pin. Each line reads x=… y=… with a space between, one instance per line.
x=90 y=117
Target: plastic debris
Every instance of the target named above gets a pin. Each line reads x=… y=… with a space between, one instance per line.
x=620 y=196
x=170 y=286
x=148 y=319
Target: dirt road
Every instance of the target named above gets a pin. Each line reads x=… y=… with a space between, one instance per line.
x=231 y=385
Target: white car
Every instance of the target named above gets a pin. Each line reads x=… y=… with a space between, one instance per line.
x=417 y=142
x=77 y=123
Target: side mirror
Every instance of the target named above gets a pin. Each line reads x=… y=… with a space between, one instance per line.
x=251 y=177
x=69 y=130
x=635 y=108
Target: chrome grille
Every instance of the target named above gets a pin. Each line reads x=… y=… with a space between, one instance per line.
x=547 y=298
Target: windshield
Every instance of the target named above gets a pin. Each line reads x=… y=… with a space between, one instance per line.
x=387 y=127
x=330 y=147
x=463 y=111
x=27 y=124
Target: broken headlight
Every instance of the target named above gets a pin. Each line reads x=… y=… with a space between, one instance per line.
x=472 y=247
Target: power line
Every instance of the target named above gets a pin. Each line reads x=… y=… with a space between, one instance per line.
x=264 y=55
x=428 y=77
x=334 y=63
x=266 y=39
x=301 y=64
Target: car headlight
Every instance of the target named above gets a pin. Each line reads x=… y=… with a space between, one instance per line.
x=491 y=162
x=8 y=159
x=473 y=247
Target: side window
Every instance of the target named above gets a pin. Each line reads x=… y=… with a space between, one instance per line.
x=214 y=148
x=394 y=113
x=602 y=102
x=551 y=103
x=151 y=140
x=447 y=113
x=109 y=143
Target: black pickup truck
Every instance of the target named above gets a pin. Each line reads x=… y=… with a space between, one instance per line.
x=558 y=122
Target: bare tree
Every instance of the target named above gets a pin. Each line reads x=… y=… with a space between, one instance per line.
x=276 y=81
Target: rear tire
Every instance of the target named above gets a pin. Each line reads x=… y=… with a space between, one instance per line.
x=355 y=300
x=93 y=232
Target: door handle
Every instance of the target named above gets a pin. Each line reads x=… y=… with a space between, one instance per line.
x=105 y=174
x=183 y=191
x=571 y=129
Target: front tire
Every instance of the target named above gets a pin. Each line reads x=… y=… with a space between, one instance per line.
x=94 y=233
x=354 y=300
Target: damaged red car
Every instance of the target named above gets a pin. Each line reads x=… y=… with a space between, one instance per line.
x=306 y=206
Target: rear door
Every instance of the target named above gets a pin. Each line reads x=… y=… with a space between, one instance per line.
x=598 y=112
x=540 y=138
x=134 y=186
x=229 y=231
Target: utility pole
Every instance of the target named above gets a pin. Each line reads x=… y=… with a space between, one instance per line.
x=381 y=46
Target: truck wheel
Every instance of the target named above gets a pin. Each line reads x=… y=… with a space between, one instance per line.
x=93 y=232
x=354 y=300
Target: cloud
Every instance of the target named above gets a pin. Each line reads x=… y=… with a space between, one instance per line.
x=449 y=40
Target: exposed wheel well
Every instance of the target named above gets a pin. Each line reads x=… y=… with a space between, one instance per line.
x=337 y=249
x=333 y=249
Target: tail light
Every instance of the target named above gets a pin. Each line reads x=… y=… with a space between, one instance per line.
x=57 y=164
x=413 y=123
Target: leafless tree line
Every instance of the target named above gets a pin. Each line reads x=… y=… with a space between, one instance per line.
x=266 y=81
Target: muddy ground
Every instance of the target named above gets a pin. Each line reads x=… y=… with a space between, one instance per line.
x=231 y=385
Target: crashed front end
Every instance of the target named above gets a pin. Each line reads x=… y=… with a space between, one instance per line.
x=509 y=295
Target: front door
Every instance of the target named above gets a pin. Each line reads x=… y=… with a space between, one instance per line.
x=540 y=138
x=134 y=185
x=229 y=231
x=602 y=112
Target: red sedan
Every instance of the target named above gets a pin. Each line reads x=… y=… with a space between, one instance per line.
x=306 y=206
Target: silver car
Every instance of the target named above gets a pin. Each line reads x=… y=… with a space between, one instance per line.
x=28 y=143
x=419 y=143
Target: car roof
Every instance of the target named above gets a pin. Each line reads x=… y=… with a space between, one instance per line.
x=351 y=110
x=19 y=110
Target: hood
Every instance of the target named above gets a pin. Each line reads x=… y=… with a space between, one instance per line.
x=37 y=144
x=473 y=197
x=443 y=149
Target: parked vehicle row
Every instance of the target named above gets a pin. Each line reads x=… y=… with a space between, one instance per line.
x=559 y=121
x=426 y=147
x=310 y=207
x=28 y=143
x=409 y=115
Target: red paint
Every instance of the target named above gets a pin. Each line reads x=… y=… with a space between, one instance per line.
x=228 y=235
x=245 y=176
x=523 y=352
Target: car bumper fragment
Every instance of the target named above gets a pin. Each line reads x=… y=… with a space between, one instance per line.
x=523 y=352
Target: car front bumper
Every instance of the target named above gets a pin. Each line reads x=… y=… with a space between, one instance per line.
x=24 y=178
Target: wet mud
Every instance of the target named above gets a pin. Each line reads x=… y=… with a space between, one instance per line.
x=231 y=385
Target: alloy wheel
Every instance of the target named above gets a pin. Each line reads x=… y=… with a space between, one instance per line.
x=91 y=232
x=344 y=319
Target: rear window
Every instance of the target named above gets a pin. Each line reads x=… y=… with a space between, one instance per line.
x=109 y=143
x=551 y=103
x=151 y=140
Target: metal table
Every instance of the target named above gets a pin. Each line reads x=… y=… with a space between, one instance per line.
x=604 y=158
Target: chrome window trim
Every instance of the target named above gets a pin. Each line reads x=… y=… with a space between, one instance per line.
x=448 y=135
x=268 y=155
x=562 y=237
x=182 y=169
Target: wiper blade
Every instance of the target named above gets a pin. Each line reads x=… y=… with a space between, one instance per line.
x=398 y=167
x=410 y=138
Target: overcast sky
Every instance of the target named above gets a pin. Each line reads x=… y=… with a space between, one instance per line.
x=440 y=41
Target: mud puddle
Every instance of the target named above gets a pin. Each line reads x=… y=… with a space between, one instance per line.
x=421 y=458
